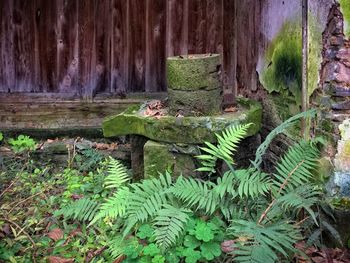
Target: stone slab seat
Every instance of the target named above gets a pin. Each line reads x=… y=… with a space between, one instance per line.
x=188 y=130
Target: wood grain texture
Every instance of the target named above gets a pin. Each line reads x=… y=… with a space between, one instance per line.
x=119 y=47
x=177 y=27
x=137 y=44
x=155 y=45
x=89 y=47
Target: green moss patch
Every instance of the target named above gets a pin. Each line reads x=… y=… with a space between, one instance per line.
x=345 y=9
x=160 y=157
x=283 y=70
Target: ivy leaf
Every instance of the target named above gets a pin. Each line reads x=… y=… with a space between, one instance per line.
x=151 y=250
x=191 y=242
x=1 y=136
x=203 y=232
x=192 y=256
x=158 y=259
x=210 y=250
x=145 y=231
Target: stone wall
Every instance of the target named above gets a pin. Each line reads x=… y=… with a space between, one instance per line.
x=335 y=76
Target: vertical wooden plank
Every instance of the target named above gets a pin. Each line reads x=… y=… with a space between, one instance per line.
x=45 y=46
x=214 y=28
x=23 y=45
x=155 y=45
x=87 y=47
x=67 y=46
x=119 y=47
x=137 y=44
x=197 y=26
x=229 y=46
x=248 y=17
x=7 y=65
x=103 y=23
x=177 y=27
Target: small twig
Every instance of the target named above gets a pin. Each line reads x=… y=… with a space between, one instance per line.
x=263 y=215
x=302 y=221
x=22 y=201
x=7 y=188
x=22 y=231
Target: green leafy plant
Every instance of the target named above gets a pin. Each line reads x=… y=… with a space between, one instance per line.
x=1 y=136
x=263 y=209
x=22 y=143
x=190 y=248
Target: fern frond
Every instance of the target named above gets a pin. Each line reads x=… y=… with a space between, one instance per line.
x=196 y=194
x=117 y=174
x=304 y=196
x=253 y=183
x=250 y=252
x=296 y=167
x=169 y=223
x=225 y=185
x=83 y=210
x=227 y=143
x=230 y=210
x=114 y=206
x=277 y=238
x=146 y=199
x=279 y=129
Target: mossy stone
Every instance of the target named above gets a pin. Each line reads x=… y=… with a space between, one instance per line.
x=193 y=72
x=192 y=103
x=159 y=157
x=191 y=130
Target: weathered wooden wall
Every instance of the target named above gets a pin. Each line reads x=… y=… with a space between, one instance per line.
x=86 y=47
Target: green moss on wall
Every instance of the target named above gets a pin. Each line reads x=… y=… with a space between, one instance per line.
x=282 y=73
x=345 y=9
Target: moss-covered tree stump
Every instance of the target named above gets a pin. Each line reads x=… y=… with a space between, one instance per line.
x=194 y=86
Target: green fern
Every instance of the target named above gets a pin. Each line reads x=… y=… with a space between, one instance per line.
x=279 y=129
x=196 y=194
x=83 y=210
x=253 y=184
x=114 y=207
x=296 y=167
x=117 y=174
x=169 y=224
x=278 y=238
x=146 y=199
x=227 y=144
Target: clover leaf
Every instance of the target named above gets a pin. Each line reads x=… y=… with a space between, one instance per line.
x=151 y=250
x=158 y=259
x=191 y=256
x=203 y=232
x=172 y=257
x=132 y=251
x=145 y=231
x=210 y=250
x=191 y=242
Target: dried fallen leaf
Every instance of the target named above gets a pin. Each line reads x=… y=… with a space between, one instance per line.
x=53 y=259
x=55 y=234
x=230 y=109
